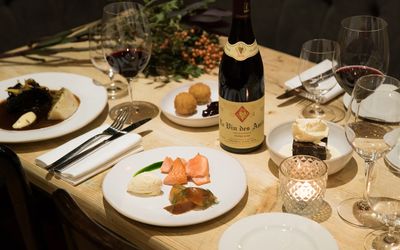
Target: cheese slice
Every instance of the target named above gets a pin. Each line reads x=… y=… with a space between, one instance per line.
x=64 y=106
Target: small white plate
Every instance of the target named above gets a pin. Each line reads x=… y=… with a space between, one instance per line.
x=393 y=157
x=92 y=98
x=195 y=120
x=376 y=102
x=346 y=100
x=276 y=231
x=280 y=139
x=228 y=184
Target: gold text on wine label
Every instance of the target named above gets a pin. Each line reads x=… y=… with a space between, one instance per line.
x=240 y=51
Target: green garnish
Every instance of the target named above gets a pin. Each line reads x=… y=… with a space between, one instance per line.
x=151 y=167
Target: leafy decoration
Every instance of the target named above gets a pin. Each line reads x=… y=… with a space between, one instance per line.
x=179 y=51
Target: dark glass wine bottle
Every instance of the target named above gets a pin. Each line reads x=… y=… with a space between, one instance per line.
x=241 y=86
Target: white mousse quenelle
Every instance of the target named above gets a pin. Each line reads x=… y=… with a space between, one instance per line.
x=146 y=184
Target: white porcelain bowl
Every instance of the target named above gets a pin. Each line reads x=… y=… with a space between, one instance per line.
x=280 y=139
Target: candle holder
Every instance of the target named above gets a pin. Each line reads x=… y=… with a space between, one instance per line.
x=303 y=184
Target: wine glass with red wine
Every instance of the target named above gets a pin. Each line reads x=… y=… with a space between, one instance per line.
x=127 y=45
x=115 y=88
x=364 y=49
x=372 y=133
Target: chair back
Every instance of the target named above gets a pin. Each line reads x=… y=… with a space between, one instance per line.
x=18 y=211
x=81 y=231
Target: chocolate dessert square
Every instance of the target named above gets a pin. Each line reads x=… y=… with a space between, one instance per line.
x=309 y=148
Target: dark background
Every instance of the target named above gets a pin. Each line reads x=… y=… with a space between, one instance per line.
x=278 y=24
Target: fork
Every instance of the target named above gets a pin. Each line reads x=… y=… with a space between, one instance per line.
x=111 y=130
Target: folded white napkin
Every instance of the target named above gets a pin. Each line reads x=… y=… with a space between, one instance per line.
x=317 y=69
x=96 y=162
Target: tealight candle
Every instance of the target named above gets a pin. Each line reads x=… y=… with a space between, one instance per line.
x=302 y=184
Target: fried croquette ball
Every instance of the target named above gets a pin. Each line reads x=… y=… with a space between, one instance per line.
x=185 y=104
x=201 y=92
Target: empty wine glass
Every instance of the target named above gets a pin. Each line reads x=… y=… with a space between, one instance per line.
x=127 y=47
x=315 y=71
x=115 y=88
x=364 y=49
x=372 y=128
x=384 y=200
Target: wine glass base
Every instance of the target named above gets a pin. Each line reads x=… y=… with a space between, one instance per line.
x=138 y=110
x=328 y=113
x=116 y=89
x=357 y=213
x=379 y=239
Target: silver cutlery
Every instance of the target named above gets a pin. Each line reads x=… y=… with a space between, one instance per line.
x=113 y=129
x=58 y=168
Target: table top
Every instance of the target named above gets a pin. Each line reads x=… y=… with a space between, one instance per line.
x=261 y=172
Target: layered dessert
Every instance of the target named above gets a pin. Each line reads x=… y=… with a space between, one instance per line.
x=310 y=137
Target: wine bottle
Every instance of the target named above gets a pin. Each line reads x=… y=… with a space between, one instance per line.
x=241 y=86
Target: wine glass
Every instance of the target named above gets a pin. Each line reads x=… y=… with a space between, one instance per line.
x=372 y=128
x=364 y=49
x=385 y=202
x=115 y=88
x=127 y=47
x=317 y=58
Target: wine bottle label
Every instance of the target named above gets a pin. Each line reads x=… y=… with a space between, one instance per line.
x=241 y=124
x=240 y=51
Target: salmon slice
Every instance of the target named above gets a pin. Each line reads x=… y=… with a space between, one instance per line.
x=201 y=180
x=166 y=165
x=197 y=166
x=177 y=175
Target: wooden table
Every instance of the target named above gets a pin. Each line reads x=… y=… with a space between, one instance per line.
x=261 y=196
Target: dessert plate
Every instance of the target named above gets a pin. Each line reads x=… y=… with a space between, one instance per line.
x=195 y=120
x=228 y=184
x=280 y=139
x=93 y=100
x=276 y=231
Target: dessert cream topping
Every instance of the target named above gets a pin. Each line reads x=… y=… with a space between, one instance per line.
x=309 y=130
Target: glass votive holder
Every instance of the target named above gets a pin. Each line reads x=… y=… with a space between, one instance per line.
x=303 y=184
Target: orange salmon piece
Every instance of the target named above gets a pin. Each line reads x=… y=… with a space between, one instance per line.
x=201 y=180
x=166 y=166
x=177 y=175
x=197 y=166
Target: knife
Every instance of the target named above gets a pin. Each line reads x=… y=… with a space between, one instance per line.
x=291 y=92
x=59 y=167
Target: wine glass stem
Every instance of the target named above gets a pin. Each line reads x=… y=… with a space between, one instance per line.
x=110 y=74
x=367 y=172
x=130 y=91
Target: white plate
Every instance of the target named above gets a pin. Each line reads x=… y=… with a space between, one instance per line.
x=276 y=231
x=92 y=98
x=228 y=184
x=346 y=100
x=280 y=139
x=195 y=120
x=378 y=101
x=393 y=157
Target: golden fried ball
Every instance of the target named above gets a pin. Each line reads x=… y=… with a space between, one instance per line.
x=185 y=104
x=201 y=92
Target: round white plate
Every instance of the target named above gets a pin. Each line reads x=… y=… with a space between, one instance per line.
x=346 y=100
x=280 y=140
x=393 y=157
x=92 y=98
x=228 y=184
x=195 y=120
x=276 y=231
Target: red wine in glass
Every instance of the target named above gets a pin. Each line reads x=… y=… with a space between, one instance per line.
x=128 y=62
x=347 y=76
